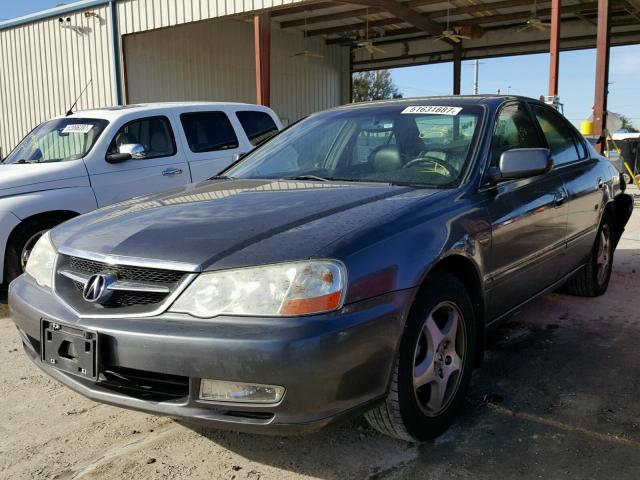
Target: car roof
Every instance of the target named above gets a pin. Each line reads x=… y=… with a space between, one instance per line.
x=112 y=113
x=449 y=100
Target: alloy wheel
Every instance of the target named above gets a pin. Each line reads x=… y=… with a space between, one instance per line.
x=603 y=263
x=439 y=358
x=28 y=247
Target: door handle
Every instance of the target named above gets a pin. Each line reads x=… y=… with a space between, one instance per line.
x=559 y=197
x=169 y=172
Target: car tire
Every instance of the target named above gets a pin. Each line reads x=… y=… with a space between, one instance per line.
x=593 y=279
x=22 y=240
x=437 y=348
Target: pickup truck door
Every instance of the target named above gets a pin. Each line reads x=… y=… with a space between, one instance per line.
x=583 y=179
x=163 y=165
x=215 y=138
x=528 y=217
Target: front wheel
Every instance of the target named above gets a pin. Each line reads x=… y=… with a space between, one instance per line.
x=433 y=367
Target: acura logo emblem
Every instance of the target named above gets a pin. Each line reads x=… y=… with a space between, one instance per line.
x=97 y=289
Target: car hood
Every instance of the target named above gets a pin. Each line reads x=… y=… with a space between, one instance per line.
x=17 y=179
x=231 y=223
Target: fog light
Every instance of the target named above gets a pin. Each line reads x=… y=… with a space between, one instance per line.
x=220 y=391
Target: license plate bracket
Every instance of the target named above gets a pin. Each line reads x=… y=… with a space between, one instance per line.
x=70 y=349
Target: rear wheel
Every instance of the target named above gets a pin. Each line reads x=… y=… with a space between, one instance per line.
x=22 y=241
x=433 y=367
x=593 y=279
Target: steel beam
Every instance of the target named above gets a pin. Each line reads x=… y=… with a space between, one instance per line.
x=603 y=47
x=554 y=48
x=407 y=15
x=457 y=67
x=262 y=40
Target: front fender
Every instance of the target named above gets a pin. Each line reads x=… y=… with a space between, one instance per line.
x=76 y=199
x=15 y=209
x=8 y=221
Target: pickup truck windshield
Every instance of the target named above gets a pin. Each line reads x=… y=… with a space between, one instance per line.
x=58 y=141
x=422 y=145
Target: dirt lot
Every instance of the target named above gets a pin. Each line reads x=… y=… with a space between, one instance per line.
x=557 y=397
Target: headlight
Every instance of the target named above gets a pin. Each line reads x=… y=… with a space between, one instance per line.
x=286 y=289
x=41 y=261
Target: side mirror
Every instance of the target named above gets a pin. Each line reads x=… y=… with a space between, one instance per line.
x=522 y=163
x=126 y=152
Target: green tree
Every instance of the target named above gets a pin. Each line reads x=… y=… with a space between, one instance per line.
x=375 y=85
x=628 y=124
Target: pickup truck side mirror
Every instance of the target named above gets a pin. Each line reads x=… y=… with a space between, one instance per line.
x=127 y=151
x=521 y=163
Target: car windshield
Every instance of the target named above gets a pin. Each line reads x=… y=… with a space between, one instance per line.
x=422 y=145
x=58 y=140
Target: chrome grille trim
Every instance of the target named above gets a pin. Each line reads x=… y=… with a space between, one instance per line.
x=131 y=261
x=78 y=279
x=120 y=285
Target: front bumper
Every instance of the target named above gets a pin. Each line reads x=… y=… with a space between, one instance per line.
x=330 y=364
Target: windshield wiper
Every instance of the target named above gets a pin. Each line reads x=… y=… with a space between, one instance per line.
x=308 y=177
x=23 y=161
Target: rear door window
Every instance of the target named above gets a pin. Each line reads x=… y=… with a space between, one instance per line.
x=153 y=133
x=258 y=126
x=563 y=142
x=208 y=131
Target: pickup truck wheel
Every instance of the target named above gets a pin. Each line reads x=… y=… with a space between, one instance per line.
x=593 y=279
x=22 y=241
x=434 y=364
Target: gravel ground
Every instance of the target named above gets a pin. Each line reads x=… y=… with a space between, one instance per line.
x=555 y=398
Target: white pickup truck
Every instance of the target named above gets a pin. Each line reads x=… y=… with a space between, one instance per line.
x=71 y=165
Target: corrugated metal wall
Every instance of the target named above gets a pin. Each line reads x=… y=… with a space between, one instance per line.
x=214 y=61
x=44 y=67
x=142 y=15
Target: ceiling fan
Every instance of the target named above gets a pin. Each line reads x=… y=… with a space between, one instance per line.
x=452 y=34
x=534 y=22
x=365 y=42
x=306 y=53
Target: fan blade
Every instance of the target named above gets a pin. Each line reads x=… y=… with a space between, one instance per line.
x=377 y=49
x=463 y=37
x=523 y=29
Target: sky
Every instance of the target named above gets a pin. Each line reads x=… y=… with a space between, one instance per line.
x=523 y=75
x=528 y=75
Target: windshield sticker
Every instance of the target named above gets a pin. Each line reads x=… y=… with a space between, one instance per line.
x=433 y=110
x=78 y=128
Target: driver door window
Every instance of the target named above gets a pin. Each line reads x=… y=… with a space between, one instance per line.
x=153 y=133
x=162 y=167
x=514 y=129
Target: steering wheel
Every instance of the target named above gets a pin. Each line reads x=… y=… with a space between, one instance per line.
x=439 y=166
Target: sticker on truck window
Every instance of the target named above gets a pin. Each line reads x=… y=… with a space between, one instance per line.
x=432 y=109
x=83 y=128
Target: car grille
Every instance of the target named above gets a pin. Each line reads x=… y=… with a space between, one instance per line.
x=142 y=289
x=126 y=272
